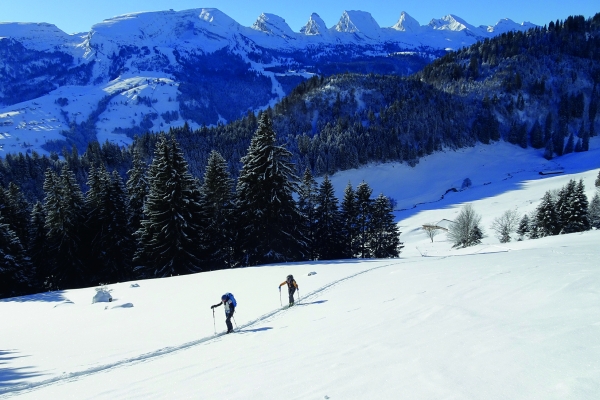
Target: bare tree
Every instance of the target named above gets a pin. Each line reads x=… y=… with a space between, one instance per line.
x=432 y=230
x=465 y=230
x=505 y=225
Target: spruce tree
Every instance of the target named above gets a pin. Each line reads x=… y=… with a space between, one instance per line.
x=119 y=242
x=546 y=219
x=385 y=237
x=38 y=248
x=137 y=188
x=167 y=241
x=218 y=213
x=577 y=219
x=523 y=228
x=18 y=211
x=307 y=202
x=64 y=209
x=349 y=215
x=363 y=219
x=14 y=263
x=269 y=219
x=594 y=211
x=328 y=225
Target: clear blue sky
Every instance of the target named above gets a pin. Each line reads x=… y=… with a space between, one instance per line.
x=79 y=15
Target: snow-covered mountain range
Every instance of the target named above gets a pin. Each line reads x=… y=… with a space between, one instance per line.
x=149 y=71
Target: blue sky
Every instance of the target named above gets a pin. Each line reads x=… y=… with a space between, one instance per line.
x=79 y=15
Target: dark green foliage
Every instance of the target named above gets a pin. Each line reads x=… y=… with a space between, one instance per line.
x=349 y=216
x=64 y=209
x=328 y=239
x=269 y=219
x=219 y=236
x=594 y=211
x=385 y=236
x=523 y=228
x=307 y=204
x=169 y=236
x=572 y=208
x=15 y=269
x=363 y=219
x=137 y=188
x=546 y=218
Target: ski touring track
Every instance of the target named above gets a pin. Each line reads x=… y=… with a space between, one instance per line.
x=14 y=390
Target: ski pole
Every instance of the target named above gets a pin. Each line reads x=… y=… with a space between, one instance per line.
x=280 y=303
x=298 y=295
x=234 y=321
x=214 y=323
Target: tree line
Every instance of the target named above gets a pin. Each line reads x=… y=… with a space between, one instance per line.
x=162 y=221
x=563 y=211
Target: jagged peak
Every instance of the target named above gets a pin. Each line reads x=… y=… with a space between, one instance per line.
x=406 y=23
x=273 y=24
x=450 y=22
x=357 y=22
x=314 y=26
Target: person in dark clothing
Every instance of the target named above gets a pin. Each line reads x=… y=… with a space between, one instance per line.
x=292 y=286
x=229 y=310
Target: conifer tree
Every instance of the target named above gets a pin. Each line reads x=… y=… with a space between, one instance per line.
x=546 y=219
x=137 y=188
x=576 y=218
x=385 y=237
x=594 y=211
x=64 y=209
x=218 y=212
x=363 y=219
x=307 y=202
x=118 y=243
x=14 y=264
x=523 y=228
x=328 y=226
x=18 y=210
x=38 y=248
x=269 y=218
x=167 y=242
x=349 y=215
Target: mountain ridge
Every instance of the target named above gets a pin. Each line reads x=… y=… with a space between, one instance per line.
x=206 y=68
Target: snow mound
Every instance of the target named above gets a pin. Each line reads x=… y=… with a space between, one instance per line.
x=102 y=296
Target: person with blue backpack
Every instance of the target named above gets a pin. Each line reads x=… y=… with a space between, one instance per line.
x=229 y=304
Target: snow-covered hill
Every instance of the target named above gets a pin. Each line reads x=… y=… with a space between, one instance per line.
x=208 y=67
x=494 y=321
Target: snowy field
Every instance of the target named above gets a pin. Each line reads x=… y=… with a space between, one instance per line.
x=495 y=321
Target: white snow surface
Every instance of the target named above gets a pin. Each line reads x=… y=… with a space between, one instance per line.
x=495 y=321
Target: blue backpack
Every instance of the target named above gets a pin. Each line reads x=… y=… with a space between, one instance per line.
x=230 y=296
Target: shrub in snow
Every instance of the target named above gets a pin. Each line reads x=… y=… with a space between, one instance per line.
x=465 y=231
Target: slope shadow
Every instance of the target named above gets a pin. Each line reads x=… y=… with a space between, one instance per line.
x=313 y=302
x=12 y=376
x=50 y=297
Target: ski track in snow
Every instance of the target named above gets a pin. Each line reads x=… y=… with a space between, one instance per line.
x=15 y=390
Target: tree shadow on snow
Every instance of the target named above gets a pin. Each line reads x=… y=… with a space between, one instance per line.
x=50 y=297
x=13 y=376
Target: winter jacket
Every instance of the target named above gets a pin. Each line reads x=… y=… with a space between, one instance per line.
x=294 y=284
x=228 y=304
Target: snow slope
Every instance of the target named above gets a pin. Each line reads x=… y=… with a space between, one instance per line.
x=518 y=320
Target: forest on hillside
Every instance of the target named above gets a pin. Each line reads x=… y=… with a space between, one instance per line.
x=538 y=88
